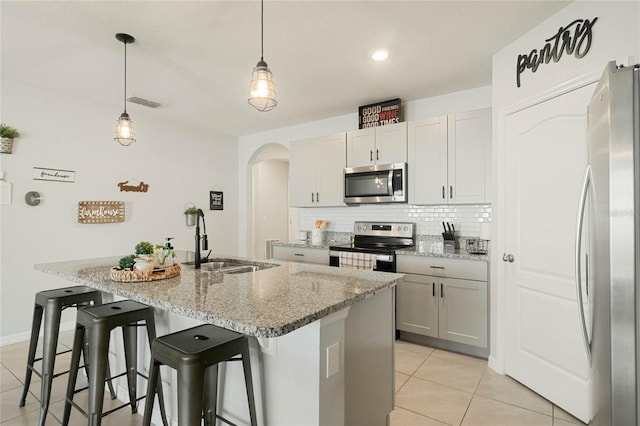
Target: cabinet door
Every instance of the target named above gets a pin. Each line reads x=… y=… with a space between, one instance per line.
x=361 y=147
x=391 y=144
x=417 y=305
x=330 y=163
x=302 y=173
x=469 y=156
x=463 y=311
x=301 y=254
x=427 y=155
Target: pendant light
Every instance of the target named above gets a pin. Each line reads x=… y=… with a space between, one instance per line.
x=262 y=93
x=125 y=133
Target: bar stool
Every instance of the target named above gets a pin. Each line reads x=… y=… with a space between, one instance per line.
x=50 y=304
x=195 y=354
x=97 y=322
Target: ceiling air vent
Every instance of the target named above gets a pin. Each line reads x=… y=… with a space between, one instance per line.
x=143 y=102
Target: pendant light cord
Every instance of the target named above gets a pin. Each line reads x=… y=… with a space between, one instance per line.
x=125 y=77
x=261 y=30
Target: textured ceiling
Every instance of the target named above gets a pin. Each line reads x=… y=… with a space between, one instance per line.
x=196 y=57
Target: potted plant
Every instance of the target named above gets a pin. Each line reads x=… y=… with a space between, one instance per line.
x=7 y=134
x=144 y=259
x=190 y=214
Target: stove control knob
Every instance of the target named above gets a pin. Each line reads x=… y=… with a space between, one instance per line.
x=406 y=228
x=399 y=228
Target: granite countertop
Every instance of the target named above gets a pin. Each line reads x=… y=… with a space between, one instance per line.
x=427 y=250
x=266 y=303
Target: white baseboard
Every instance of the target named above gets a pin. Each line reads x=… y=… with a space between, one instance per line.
x=26 y=335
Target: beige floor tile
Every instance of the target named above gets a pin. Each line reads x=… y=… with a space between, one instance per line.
x=559 y=413
x=438 y=402
x=464 y=377
x=503 y=388
x=407 y=362
x=30 y=419
x=412 y=347
x=487 y=412
x=122 y=417
x=19 y=346
x=558 y=422
x=7 y=380
x=9 y=405
x=459 y=358
x=402 y=417
x=401 y=379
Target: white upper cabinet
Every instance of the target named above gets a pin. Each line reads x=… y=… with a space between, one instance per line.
x=316 y=171
x=450 y=159
x=377 y=145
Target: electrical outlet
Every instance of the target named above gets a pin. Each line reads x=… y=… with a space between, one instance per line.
x=333 y=359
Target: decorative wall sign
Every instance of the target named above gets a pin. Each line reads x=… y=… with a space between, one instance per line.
x=127 y=187
x=100 y=211
x=215 y=200
x=574 y=39
x=379 y=114
x=57 y=175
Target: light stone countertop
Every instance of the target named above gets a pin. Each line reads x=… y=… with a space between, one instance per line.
x=266 y=303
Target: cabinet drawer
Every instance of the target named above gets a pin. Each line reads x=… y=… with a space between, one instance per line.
x=301 y=254
x=443 y=267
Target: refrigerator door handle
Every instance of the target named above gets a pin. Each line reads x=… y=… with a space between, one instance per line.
x=586 y=182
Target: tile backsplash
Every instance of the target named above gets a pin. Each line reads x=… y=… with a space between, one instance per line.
x=466 y=218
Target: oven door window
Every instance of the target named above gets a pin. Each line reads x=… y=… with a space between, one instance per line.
x=368 y=184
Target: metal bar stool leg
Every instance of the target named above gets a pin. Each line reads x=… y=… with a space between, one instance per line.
x=152 y=386
x=151 y=336
x=78 y=340
x=112 y=391
x=33 y=344
x=246 y=365
x=99 y=341
x=52 y=314
x=190 y=392
x=210 y=395
x=130 y=337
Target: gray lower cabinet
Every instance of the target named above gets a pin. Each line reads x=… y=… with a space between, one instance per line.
x=301 y=254
x=446 y=299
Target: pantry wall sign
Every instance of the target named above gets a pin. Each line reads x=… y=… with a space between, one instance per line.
x=100 y=211
x=379 y=114
x=573 y=39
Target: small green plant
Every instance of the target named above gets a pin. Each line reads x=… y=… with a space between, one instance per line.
x=127 y=262
x=191 y=210
x=144 y=247
x=8 y=132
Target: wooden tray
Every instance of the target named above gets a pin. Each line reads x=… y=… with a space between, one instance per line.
x=138 y=276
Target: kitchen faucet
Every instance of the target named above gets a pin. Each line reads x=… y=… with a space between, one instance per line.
x=205 y=241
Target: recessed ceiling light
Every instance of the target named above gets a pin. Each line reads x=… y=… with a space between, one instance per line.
x=380 y=55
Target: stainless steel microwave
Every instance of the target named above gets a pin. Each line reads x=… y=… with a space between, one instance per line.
x=386 y=183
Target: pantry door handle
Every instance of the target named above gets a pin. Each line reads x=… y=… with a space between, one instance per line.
x=433 y=289
x=441 y=290
x=450 y=191
x=443 y=192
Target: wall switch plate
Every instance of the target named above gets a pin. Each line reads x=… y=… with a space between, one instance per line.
x=333 y=359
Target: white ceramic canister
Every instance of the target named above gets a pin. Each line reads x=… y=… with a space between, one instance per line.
x=317 y=235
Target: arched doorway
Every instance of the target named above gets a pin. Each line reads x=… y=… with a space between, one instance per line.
x=268 y=198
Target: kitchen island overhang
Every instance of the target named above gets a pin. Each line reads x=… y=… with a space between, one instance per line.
x=302 y=316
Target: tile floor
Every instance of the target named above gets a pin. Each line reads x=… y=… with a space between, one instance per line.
x=433 y=388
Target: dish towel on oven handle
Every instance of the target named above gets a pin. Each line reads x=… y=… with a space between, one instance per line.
x=353 y=260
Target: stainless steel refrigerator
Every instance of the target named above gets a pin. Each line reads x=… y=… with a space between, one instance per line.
x=607 y=247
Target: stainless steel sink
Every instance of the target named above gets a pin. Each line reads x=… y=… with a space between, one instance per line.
x=231 y=266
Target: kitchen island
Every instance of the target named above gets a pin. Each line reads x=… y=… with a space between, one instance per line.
x=322 y=346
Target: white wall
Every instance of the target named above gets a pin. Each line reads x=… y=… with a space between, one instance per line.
x=616 y=36
x=416 y=110
x=271 y=203
x=180 y=165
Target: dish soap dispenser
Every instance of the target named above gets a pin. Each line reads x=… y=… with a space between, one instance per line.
x=166 y=256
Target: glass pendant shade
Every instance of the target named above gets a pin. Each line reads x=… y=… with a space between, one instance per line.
x=125 y=133
x=262 y=91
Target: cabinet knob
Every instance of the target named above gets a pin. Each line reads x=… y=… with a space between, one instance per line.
x=508 y=257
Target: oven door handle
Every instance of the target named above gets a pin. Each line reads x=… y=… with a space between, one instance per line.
x=380 y=257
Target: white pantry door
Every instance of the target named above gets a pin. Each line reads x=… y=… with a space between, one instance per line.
x=546 y=154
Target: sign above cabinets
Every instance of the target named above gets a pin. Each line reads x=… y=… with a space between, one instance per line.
x=379 y=114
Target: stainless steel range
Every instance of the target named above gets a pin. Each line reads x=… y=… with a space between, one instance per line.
x=380 y=239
